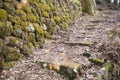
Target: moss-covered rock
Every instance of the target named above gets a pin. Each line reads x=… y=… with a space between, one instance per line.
x=25 y=37
x=17 y=31
x=38 y=29
x=44 y=7
x=12 y=54
x=14 y=42
x=30 y=45
x=27 y=10
x=8 y=65
x=52 y=7
x=31 y=37
x=47 y=34
x=52 y=29
x=57 y=19
x=8 y=28
x=46 y=14
x=2 y=29
x=27 y=27
x=25 y=50
x=21 y=14
x=64 y=25
x=3 y=14
x=33 y=18
x=9 y=7
x=14 y=20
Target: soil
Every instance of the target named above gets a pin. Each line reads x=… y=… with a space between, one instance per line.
x=86 y=28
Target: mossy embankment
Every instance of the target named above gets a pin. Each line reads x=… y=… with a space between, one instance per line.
x=25 y=27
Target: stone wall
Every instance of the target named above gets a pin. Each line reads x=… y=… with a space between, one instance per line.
x=24 y=26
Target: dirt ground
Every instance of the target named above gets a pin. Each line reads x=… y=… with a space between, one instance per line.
x=86 y=28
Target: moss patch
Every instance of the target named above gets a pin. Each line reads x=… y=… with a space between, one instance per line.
x=3 y=14
x=12 y=54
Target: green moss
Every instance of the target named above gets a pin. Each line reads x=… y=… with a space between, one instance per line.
x=64 y=25
x=38 y=29
x=21 y=14
x=14 y=19
x=8 y=28
x=34 y=11
x=17 y=31
x=1 y=63
x=9 y=7
x=33 y=18
x=9 y=64
x=37 y=46
x=52 y=22
x=25 y=50
x=55 y=13
x=51 y=6
x=47 y=35
x=34 y=3
x=44 y=7
x=57 y=19
x=28 y=27
x=46 y=14
x=39 y=33
x=1 y=44
x=30 y=45
x=52 y=29
x=97 y=61
x=2 y=29
x=67 y=17
x=14 y=42
x=12 y=54
x=25 y=25
x=31 y=38
x=3 y=15
x=27 y=10
x=24 y=36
